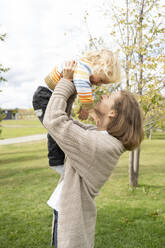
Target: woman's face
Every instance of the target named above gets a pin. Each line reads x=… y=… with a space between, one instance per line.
x=106 y=103
x=104 y=109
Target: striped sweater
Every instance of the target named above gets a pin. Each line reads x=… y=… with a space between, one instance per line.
x=91 y=157
x=80 y=79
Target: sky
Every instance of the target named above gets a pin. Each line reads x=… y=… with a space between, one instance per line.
x=41 y=34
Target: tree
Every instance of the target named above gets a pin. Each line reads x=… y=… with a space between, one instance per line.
x=2 y=69
x=2 y=79
x=138 y=30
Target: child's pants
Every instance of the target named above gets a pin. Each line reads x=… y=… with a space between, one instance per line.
x=40 y=100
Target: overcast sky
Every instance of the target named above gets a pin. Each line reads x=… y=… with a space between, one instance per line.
x=40 y=34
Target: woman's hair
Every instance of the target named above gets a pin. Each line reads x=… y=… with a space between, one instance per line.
x=105 y=61
x=127 y=125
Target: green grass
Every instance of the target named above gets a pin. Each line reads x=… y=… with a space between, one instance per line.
x=18 y=128
x=158 y=135
x=134 y=218
x=127 y=218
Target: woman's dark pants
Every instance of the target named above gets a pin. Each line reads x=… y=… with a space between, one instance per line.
x=55 y=228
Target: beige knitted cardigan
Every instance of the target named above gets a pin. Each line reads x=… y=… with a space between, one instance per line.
x=91 y=158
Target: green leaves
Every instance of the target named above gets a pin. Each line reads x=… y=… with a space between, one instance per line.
x=2 y=69
x=139 y=29
x=2 y=37
x=2 y=79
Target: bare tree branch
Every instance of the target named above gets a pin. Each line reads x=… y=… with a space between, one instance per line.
x=91 y=38
x=152 y=5
x=118 y=22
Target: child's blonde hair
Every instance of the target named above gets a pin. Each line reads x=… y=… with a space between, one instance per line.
x=105 y=61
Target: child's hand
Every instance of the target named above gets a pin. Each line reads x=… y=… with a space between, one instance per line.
x=83 y=114
x=68 y=69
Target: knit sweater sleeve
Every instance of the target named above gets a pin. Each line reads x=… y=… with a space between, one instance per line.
x=69 y=135
x=85 y=126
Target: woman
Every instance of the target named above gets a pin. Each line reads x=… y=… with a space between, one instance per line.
x=91 y=153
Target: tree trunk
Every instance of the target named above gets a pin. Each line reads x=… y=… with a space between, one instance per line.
x=150 y=135
x=141 y=57
x=127 y=55
x=131 y=167
x=134 y=157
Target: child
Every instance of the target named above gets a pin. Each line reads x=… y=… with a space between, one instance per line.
x=95 y=68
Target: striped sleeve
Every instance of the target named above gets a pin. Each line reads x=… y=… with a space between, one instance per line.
x=83 y=85
x=53 y=77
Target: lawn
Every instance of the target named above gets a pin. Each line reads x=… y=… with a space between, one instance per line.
x=127 y=218
x=18 y=128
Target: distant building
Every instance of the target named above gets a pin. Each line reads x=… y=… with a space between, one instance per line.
x=26 y=114
x=10 y=114
x=19 y=114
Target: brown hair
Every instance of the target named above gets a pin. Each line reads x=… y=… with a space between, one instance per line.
x=127 y=125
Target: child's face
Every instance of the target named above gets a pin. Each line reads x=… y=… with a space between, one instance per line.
x=97 y=79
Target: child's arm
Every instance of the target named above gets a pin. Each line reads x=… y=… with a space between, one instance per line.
x=53 y=77
x=84 y=90
x=86 y=106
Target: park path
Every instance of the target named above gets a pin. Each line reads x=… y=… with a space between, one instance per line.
x=23 y=139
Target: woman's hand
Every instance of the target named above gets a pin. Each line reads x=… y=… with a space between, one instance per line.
x=68 y=69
